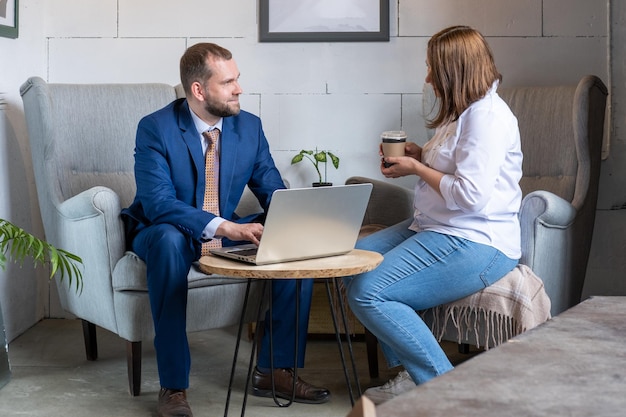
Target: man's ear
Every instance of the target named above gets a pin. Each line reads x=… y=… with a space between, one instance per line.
x=197 y=91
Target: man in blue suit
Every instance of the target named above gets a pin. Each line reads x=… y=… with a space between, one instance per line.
x=166 y=224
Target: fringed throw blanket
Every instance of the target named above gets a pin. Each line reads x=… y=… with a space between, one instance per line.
x=515 y=303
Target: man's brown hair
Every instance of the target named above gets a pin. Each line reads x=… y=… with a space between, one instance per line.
x=194 y=64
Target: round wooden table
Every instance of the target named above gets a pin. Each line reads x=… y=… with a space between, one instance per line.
x=333 y=267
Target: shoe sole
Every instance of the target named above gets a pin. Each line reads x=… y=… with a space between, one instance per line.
x=268 y=394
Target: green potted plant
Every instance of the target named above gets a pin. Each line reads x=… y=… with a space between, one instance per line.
x=316 y=158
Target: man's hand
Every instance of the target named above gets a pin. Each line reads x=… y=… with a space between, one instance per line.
x=234 y=231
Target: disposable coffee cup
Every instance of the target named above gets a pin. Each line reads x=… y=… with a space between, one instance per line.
x=393 y=142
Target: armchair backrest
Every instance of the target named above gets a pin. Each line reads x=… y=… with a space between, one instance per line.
x=561 y=129
x=545 y=122
x=83 y=135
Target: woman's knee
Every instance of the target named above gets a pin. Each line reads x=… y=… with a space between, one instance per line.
x=357 y=294
x=354 y=300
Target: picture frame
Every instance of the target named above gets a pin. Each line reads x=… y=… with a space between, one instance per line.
x=323 y=20
x=9 y=18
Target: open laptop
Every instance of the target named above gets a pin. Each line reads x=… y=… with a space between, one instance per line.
x=306 y=223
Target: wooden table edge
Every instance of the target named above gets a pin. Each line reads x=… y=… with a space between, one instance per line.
x=354 y=262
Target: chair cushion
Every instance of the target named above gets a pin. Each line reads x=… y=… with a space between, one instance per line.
x=130 y=275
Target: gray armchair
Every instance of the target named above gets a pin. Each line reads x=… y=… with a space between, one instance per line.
x=561 y=132
x=82 y=139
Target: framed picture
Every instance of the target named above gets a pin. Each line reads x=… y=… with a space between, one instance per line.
x=8 y=18
x=323 y=20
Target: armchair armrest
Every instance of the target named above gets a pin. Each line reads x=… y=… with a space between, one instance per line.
x=94 y=212
x=91 y=202
x=548 y=209
x=389 y=203
x=541 y=211
x=89 y=225
x=547 y=239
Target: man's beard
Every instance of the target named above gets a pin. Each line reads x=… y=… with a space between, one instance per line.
x=221 y=109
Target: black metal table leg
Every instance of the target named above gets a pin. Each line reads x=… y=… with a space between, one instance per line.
x=255 y=342
x=348 y=341
x=237 y=343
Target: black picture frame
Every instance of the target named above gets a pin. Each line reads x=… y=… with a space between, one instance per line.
x=9 y=18
x=270 y=34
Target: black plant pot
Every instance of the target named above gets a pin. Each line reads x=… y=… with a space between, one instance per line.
x=322 y=184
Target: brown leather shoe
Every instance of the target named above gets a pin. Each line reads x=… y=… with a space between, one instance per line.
x=283 y=381
x=173 y=403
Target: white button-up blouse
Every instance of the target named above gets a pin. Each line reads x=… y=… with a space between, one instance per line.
x=480 y=155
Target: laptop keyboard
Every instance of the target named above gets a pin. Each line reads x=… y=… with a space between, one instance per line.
x=247 y=252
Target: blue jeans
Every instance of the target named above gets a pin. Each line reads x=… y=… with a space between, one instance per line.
x=419 y=271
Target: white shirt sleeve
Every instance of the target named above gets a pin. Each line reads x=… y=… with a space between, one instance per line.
x=211 y=228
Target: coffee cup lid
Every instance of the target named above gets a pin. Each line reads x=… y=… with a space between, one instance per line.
x=393 y=134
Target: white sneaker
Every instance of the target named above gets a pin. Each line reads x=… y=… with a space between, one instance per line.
x=400 y=384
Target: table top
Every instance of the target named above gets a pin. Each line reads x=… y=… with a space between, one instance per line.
x=354 y=262
x=572 y=365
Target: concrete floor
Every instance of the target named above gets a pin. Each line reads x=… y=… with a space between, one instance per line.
x=51 y=376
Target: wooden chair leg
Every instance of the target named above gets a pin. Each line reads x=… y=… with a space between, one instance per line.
x=371 y=345
x=464 y=348
x=91 y=343
x=133 y=361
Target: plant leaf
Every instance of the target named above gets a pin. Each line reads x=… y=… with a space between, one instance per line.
x=20 y=244
x=335 y=160
x=320 y=156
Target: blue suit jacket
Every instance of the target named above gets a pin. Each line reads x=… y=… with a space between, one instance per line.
x=169 y=170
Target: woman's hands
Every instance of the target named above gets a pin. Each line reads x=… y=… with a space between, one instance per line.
x=413 y=150
x=410 y=164
x=402 y=165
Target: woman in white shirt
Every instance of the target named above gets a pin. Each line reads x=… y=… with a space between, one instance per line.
x=465 y=232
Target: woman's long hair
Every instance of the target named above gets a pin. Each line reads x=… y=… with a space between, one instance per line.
x=462 y=70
